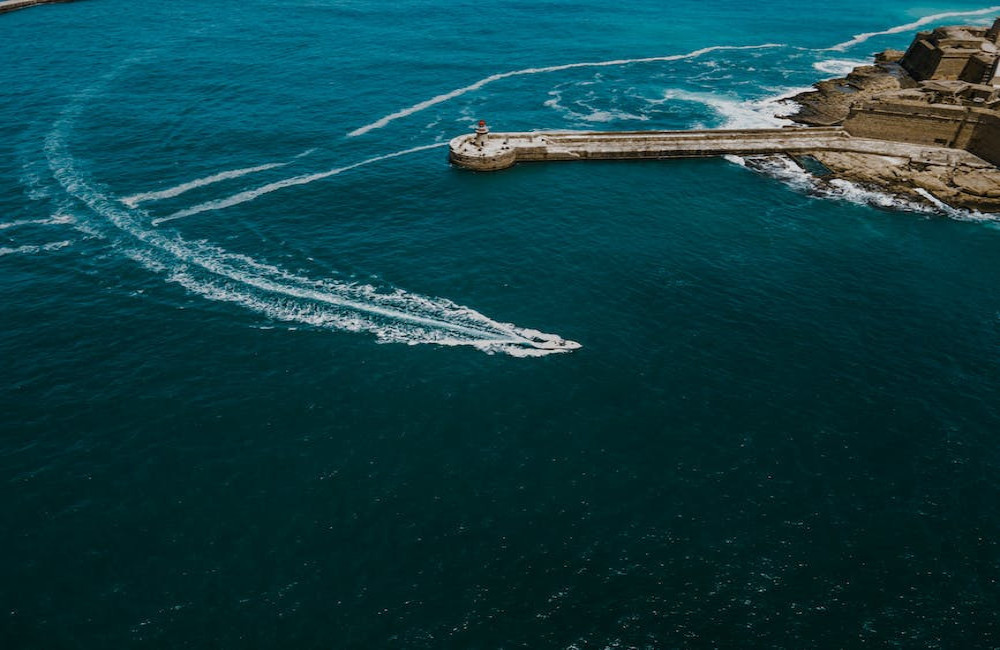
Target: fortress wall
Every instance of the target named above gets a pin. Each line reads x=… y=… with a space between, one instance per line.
x=951 y=66
x=885 y=122
x=977 y=69
x=993 y=33
x=921 y=59
x=986 y=139
x=976 y=130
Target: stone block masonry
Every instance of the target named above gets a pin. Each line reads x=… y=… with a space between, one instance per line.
x=960 y=127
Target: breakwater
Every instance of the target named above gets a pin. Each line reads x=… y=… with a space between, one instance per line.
x=495 y=151
x=14 y=5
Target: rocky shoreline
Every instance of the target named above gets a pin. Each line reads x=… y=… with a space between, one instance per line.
x=958 y=179
x=830 y=101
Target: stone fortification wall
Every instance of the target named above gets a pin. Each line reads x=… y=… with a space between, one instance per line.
x=979 y=69
x=950 y=53
x=975 y=130
x=937 y=125
x=985 y=141
x=926 y=61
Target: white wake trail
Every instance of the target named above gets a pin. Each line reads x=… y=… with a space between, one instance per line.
x=57 y=219
x=416 y=108
x=32 y=249
x=177 y=190
x=216 y=274
x=908 y=27
x=250 y=195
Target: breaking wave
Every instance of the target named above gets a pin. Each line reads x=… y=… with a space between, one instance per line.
x=909 y=27
x=416 y=108
x=838 y=67
x=786 y=170
x=391 y=315
x=769 y=112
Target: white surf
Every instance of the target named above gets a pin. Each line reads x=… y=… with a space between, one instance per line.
x=433 y=101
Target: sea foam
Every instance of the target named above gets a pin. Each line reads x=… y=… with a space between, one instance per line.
x=420 y=106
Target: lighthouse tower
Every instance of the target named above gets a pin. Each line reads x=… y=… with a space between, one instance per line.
x=481 y=131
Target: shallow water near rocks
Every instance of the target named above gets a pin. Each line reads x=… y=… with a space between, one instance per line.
x=268 y=383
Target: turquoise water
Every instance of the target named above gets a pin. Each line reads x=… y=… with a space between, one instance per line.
x=268 y=369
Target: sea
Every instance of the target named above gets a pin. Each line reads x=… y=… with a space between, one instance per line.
x=275 y=375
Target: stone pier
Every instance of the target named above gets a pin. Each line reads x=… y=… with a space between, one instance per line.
x=13 y=5
x=495 y=151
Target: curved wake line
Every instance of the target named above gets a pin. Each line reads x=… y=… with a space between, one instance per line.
x=32 y=249
x=171 y=192
x=861 y=38
x=250 y=195
x=213 y=273
x=51 y=221
x=416 y=108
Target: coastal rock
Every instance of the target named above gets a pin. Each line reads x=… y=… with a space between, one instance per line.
x=978 y=183
x=965 y=185
x=889 y=56
x=830 y=102
x=862 y=102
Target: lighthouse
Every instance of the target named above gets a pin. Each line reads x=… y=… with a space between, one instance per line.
x=481 y=131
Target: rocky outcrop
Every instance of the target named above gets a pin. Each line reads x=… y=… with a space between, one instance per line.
x=957 y=179
x=963 y=181
x=830 y=102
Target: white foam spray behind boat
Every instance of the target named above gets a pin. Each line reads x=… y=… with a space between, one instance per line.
x=391 y=315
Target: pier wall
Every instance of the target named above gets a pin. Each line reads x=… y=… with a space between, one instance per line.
x=14 y=5
x=501 y=150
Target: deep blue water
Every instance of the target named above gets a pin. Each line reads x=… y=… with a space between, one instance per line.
x=250 y=400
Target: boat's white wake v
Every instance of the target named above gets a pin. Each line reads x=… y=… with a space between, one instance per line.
x=390 y=315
